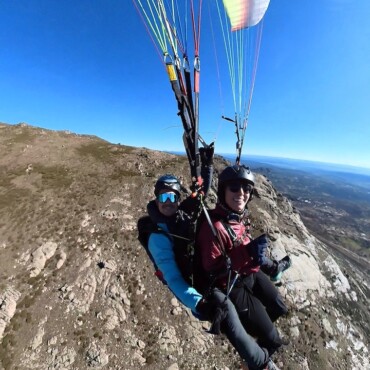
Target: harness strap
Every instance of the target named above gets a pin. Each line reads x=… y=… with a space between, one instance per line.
x=230 y=232
x=234 y=238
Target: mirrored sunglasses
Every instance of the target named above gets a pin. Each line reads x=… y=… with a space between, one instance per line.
x=173 y=197
x=235 y=187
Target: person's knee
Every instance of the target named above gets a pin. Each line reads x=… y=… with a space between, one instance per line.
x=272 y=342
x=278 y=309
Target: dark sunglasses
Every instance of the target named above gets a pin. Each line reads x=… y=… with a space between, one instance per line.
x=173 y=197
x=235 y=187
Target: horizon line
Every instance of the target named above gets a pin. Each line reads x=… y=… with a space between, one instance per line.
x=284 y=158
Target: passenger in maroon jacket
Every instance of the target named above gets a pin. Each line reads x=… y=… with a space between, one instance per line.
x=235 y=261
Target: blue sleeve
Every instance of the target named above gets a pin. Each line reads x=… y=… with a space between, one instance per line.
x=161 y=248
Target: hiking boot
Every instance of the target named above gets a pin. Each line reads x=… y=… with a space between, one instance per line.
x=283 y=265
x=271 y=366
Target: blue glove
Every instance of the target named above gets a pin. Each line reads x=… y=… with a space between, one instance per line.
x=257 y=249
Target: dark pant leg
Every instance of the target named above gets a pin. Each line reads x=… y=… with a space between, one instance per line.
x=255 y=356
x=270 y=297
x=254 y=316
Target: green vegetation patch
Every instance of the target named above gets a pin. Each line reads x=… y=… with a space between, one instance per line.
x=12 y=197
x=102 y=151
x=23 y=135
x=6 y=175
x=99 y=151
x=54 y=176
x=124 y=149
x=120 y=174
x=360 y=247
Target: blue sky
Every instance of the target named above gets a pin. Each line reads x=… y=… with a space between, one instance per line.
x=89 y=66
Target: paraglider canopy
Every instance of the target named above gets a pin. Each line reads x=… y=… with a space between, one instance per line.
x=245 y=13
x=170 y=22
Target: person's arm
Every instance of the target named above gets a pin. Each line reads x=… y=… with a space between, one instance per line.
x=258 y=251
x=161 y=249
x=270 y=267
x=206 y=155
x=192 y=204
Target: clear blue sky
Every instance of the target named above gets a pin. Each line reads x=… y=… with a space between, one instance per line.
x=89 y=66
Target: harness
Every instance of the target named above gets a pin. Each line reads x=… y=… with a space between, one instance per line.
x=231 y=280
x=235 y=242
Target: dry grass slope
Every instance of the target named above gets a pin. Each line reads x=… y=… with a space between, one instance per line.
x=77 y=290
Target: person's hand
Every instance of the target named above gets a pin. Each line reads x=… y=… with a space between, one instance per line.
x=204 y=308
x=257 y=249
x=219 y=313
x=206 y=154
x=213 y=311
x=190 y=205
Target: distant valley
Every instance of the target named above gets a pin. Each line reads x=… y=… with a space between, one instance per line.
x=334 y=205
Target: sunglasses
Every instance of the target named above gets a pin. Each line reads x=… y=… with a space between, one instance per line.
x=235 y=187
x=173 y=197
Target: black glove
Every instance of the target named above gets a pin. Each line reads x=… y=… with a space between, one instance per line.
x=212 y=311
x=190 y=205
x=205 y=309
x=257 y=249
x=206 y=154
x=219 y=314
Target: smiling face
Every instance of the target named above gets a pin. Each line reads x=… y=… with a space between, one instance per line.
x=167 y=208
x=237 y=195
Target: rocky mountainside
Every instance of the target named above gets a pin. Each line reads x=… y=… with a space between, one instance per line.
x=77 y=290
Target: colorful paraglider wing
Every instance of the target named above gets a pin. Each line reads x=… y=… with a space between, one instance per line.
x=245 y=13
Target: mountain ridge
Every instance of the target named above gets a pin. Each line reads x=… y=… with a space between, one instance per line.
x=78 y=291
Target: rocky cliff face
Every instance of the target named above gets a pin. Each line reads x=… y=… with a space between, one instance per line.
x=77 y=290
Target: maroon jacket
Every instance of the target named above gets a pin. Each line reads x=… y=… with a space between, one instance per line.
x=213 y=259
